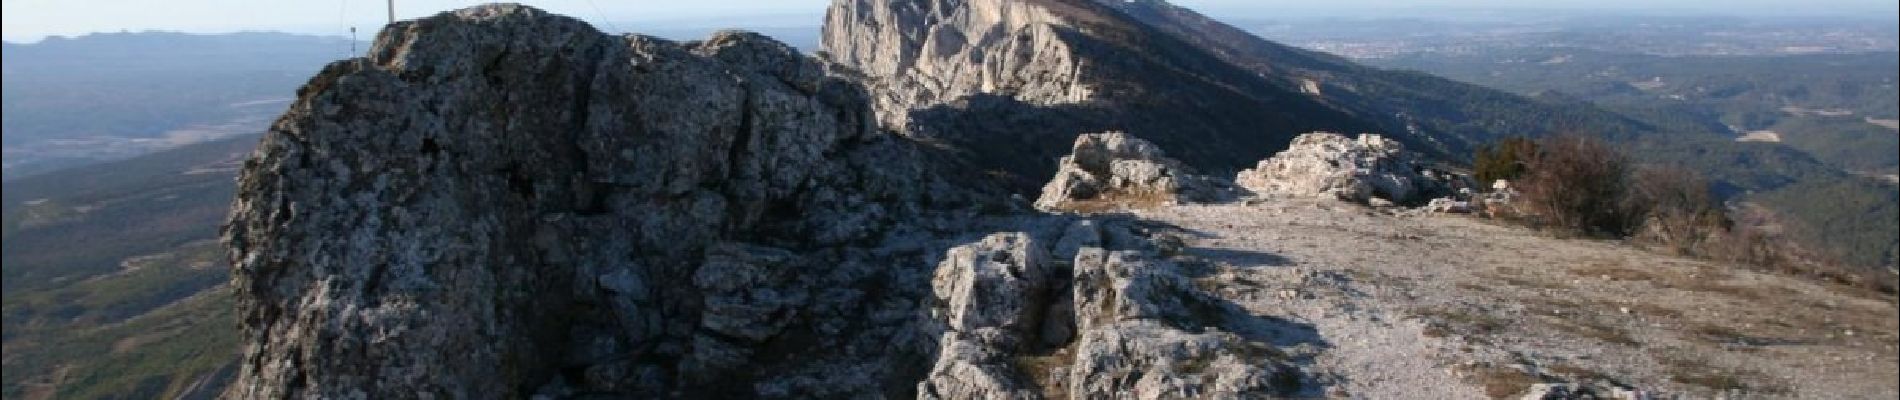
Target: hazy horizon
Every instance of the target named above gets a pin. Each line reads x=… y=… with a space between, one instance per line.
x=33 y=20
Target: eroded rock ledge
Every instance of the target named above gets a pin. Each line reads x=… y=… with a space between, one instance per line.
x=1099 y=310
x=1107 y=170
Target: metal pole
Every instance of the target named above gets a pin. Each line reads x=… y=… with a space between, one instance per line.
x=392 y=11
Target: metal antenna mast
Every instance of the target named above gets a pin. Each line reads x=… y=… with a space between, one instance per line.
x=392 y=11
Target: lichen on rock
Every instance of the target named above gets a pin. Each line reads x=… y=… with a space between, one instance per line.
x=500 y=202
x=1114 y=168
x=1323 y=164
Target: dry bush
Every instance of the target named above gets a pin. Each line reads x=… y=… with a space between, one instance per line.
x=1579 y=184
x=1505 y=160
x=1582 y=185
x=1680 y=213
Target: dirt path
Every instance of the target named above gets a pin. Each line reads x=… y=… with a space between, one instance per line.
x=1439 y=306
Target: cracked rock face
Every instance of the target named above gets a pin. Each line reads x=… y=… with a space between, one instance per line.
x=1013 y=82
x=1117 y=320
x=1359 y=170
x=500 y=202
x=1117 y=168
x=503 y=203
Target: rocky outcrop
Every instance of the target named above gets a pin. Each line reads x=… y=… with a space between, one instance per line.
x=1115 y=168
x=990 y=296
x=499 y=202
x=1012 y=83
x=1566 y=391
x=1359 y=170
x=1116 y=319
x=932 y=52
x=1148 y=333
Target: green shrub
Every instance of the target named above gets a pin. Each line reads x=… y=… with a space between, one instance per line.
x=1504 y=160
x=1579 y=184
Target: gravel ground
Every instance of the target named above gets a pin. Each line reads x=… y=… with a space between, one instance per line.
x=1446 y=306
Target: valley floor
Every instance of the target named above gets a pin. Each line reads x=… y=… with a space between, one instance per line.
x=1408 y=305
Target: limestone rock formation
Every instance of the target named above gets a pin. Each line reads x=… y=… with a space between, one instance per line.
x=1566 y=391
x=500 y=202
x=990 y=297
x=1149 y=334
x=1117 y=320
x=1331 y=165
x=1117 y=168
x=1013 y=82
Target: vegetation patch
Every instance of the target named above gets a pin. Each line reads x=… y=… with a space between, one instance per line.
x=1443 y=321
x=1577 y=373
x=1500 y=382
x=1591 y=329
x=1049 y=370
x=1697 y=372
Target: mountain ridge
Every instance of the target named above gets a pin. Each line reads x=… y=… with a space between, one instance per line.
x=1218 y=97
x=500 y=202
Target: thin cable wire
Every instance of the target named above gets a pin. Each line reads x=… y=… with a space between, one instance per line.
x=343 y=18
x=603 y=18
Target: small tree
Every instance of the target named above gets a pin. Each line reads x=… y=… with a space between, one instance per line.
x=1682 y=215
x=1579 y=183
x=1504 y=160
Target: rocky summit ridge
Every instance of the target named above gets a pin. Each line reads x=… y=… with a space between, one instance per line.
x=498 y=202
x=502 y=202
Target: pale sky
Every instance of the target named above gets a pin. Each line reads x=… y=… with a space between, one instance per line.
x=28 y=20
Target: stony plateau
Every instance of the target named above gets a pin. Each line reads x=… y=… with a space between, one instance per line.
x=502 y=203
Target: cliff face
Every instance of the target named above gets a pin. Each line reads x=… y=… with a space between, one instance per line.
x=1035 y=74
x=1435 y=116
x=499 y=201
x=939 y=51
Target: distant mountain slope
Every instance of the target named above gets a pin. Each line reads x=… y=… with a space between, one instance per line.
x=1452 y=117
x=111 y=96
x=1828 y=105
x=74 y=224
x=1010 y=83
x=1037 y=73
x=1823 y=159
x=1013 y=82
x=113 y=278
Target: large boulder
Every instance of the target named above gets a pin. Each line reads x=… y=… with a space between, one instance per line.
x=1148 y=333
x=1114 y=168
x=1325 y=164
x=990 y=297
x=1117 y=320
x=994 y=283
